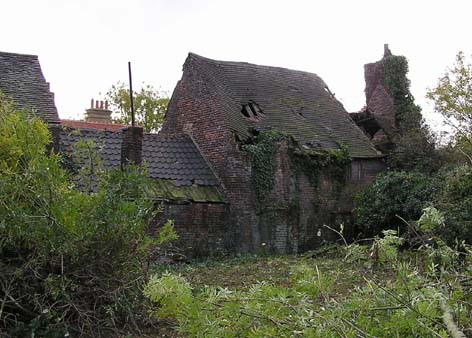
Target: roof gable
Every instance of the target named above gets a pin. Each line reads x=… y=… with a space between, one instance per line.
x=294 y=102
x=22 y=80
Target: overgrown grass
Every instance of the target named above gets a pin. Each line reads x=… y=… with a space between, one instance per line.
x=240 y=273
x=350 y=291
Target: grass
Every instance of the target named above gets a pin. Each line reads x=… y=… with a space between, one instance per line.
x=240 y=273
x=346 y=279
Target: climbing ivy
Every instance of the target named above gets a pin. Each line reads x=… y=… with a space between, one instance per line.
x=398 y=85
x=311 y=162
x=414 y=142
x=264 y=165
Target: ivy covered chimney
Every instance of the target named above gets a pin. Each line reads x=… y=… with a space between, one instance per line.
x=98 y=113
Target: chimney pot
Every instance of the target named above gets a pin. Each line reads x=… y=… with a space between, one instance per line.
x=98 y=112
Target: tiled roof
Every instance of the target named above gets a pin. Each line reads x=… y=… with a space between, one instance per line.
x=170 y=158
x=295 y=102
x=176 y=159
x=22 y=80
x=92 y=125
x=108 y=145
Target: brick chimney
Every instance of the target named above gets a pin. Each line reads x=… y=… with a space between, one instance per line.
x=98 y=113
x=131 y=145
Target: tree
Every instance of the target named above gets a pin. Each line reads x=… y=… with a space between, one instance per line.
x=150 y=106
x=452 y=98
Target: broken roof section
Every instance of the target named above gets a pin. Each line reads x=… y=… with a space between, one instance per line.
x=22 y=80
x=176 y=165
x=297 y=103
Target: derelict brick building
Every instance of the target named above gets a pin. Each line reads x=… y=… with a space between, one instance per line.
x=203 y=172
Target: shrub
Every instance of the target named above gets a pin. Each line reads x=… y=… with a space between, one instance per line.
x=70 y=262
x=455 y=200
x=394 y=193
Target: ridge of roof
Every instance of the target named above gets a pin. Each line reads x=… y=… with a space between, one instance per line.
x=244 y=63
x=19 y=54
x=92 y=125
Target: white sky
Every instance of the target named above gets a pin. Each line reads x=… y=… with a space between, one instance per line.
x=84 y=45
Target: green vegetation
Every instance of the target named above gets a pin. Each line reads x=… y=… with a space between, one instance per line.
x=150 y=106
x=398 y=196
x=263 y=151
x=351 y=291
x=452 y=98
x=414 y=142
x=333 y=163
x=393 y=194
x=71 y=263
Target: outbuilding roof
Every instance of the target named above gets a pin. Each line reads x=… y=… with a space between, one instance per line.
x=174 y=162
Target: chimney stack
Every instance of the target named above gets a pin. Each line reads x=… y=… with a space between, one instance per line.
x=131 y=145
x=100 y=113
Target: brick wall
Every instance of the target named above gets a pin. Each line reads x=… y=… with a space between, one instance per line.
x=131 y=145
x=202 y=227
x=297 y=211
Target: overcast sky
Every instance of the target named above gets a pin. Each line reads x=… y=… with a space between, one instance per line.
x=84 y=45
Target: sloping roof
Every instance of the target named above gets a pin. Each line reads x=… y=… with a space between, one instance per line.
x=176 y=159
x=174 y=162
x=295 y=102
x=108 y=145
x=22 y=80
x=92 y=125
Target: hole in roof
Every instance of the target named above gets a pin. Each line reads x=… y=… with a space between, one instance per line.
x=298 y=112
x=329 y=91
x=251 y=111
x=293 y=88
x=245 y=112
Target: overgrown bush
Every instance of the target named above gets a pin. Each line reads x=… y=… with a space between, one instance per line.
x=455 y=200
x=393 y=194
x=396 y=197
x=71 y=263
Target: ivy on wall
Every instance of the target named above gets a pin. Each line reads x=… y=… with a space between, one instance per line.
x=414 y=143
x=264 y=165
x=398 y=86
x=312 y=162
